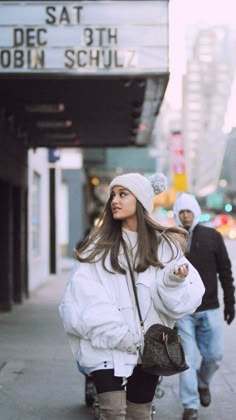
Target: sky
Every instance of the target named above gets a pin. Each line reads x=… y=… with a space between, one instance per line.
x=181 y=14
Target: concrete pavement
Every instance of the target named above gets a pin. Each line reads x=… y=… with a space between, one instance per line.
x=39 y=379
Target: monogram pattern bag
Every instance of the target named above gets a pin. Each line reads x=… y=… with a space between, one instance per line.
x=163 y=354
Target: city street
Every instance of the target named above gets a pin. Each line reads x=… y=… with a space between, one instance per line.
x=39 y=379
x=109 y=103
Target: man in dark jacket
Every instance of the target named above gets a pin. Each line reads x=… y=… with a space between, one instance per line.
x=203 y=329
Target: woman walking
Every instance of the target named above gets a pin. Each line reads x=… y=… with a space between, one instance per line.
x=98 y=308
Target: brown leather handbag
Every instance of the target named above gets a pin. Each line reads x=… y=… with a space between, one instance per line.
x=163 y=354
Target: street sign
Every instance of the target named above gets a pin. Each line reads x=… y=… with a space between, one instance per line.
x=84 y=37
x=178 y=162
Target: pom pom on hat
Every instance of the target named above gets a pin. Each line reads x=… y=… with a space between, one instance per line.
x=159 y=183
x=142 y=188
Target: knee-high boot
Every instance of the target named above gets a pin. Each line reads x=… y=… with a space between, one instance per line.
x=139 y=411
x=112 y=405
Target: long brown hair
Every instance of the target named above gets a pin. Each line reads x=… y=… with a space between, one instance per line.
x=106 y=238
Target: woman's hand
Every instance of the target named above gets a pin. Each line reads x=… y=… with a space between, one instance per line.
x=129 y=343
x=181 y=271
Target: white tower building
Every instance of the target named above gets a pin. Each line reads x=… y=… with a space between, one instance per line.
x=206 y=90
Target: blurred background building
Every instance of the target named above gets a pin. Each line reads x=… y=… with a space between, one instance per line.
x=206 y=91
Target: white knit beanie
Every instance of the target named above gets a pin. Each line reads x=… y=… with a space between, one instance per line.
x=142 y=188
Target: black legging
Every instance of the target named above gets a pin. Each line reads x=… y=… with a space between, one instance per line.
x=140 y=388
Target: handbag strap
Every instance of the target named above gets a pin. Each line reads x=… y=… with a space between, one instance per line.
x=134 y=288
x=165 y=337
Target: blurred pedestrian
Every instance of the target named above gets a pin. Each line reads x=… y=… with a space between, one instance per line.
x=98 y=308
x=203 y=329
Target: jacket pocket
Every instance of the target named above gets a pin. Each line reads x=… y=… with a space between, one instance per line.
x=90 y=356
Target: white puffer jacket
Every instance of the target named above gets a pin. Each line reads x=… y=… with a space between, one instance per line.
x=97 y=309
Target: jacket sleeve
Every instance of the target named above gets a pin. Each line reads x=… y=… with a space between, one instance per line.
x=87 y=311
x=177 y=297
x=225 y=270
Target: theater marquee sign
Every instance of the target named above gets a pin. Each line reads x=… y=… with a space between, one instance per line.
x=97 y=37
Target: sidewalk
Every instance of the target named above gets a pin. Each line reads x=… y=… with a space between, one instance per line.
x=38 y=376
x=39 y=379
